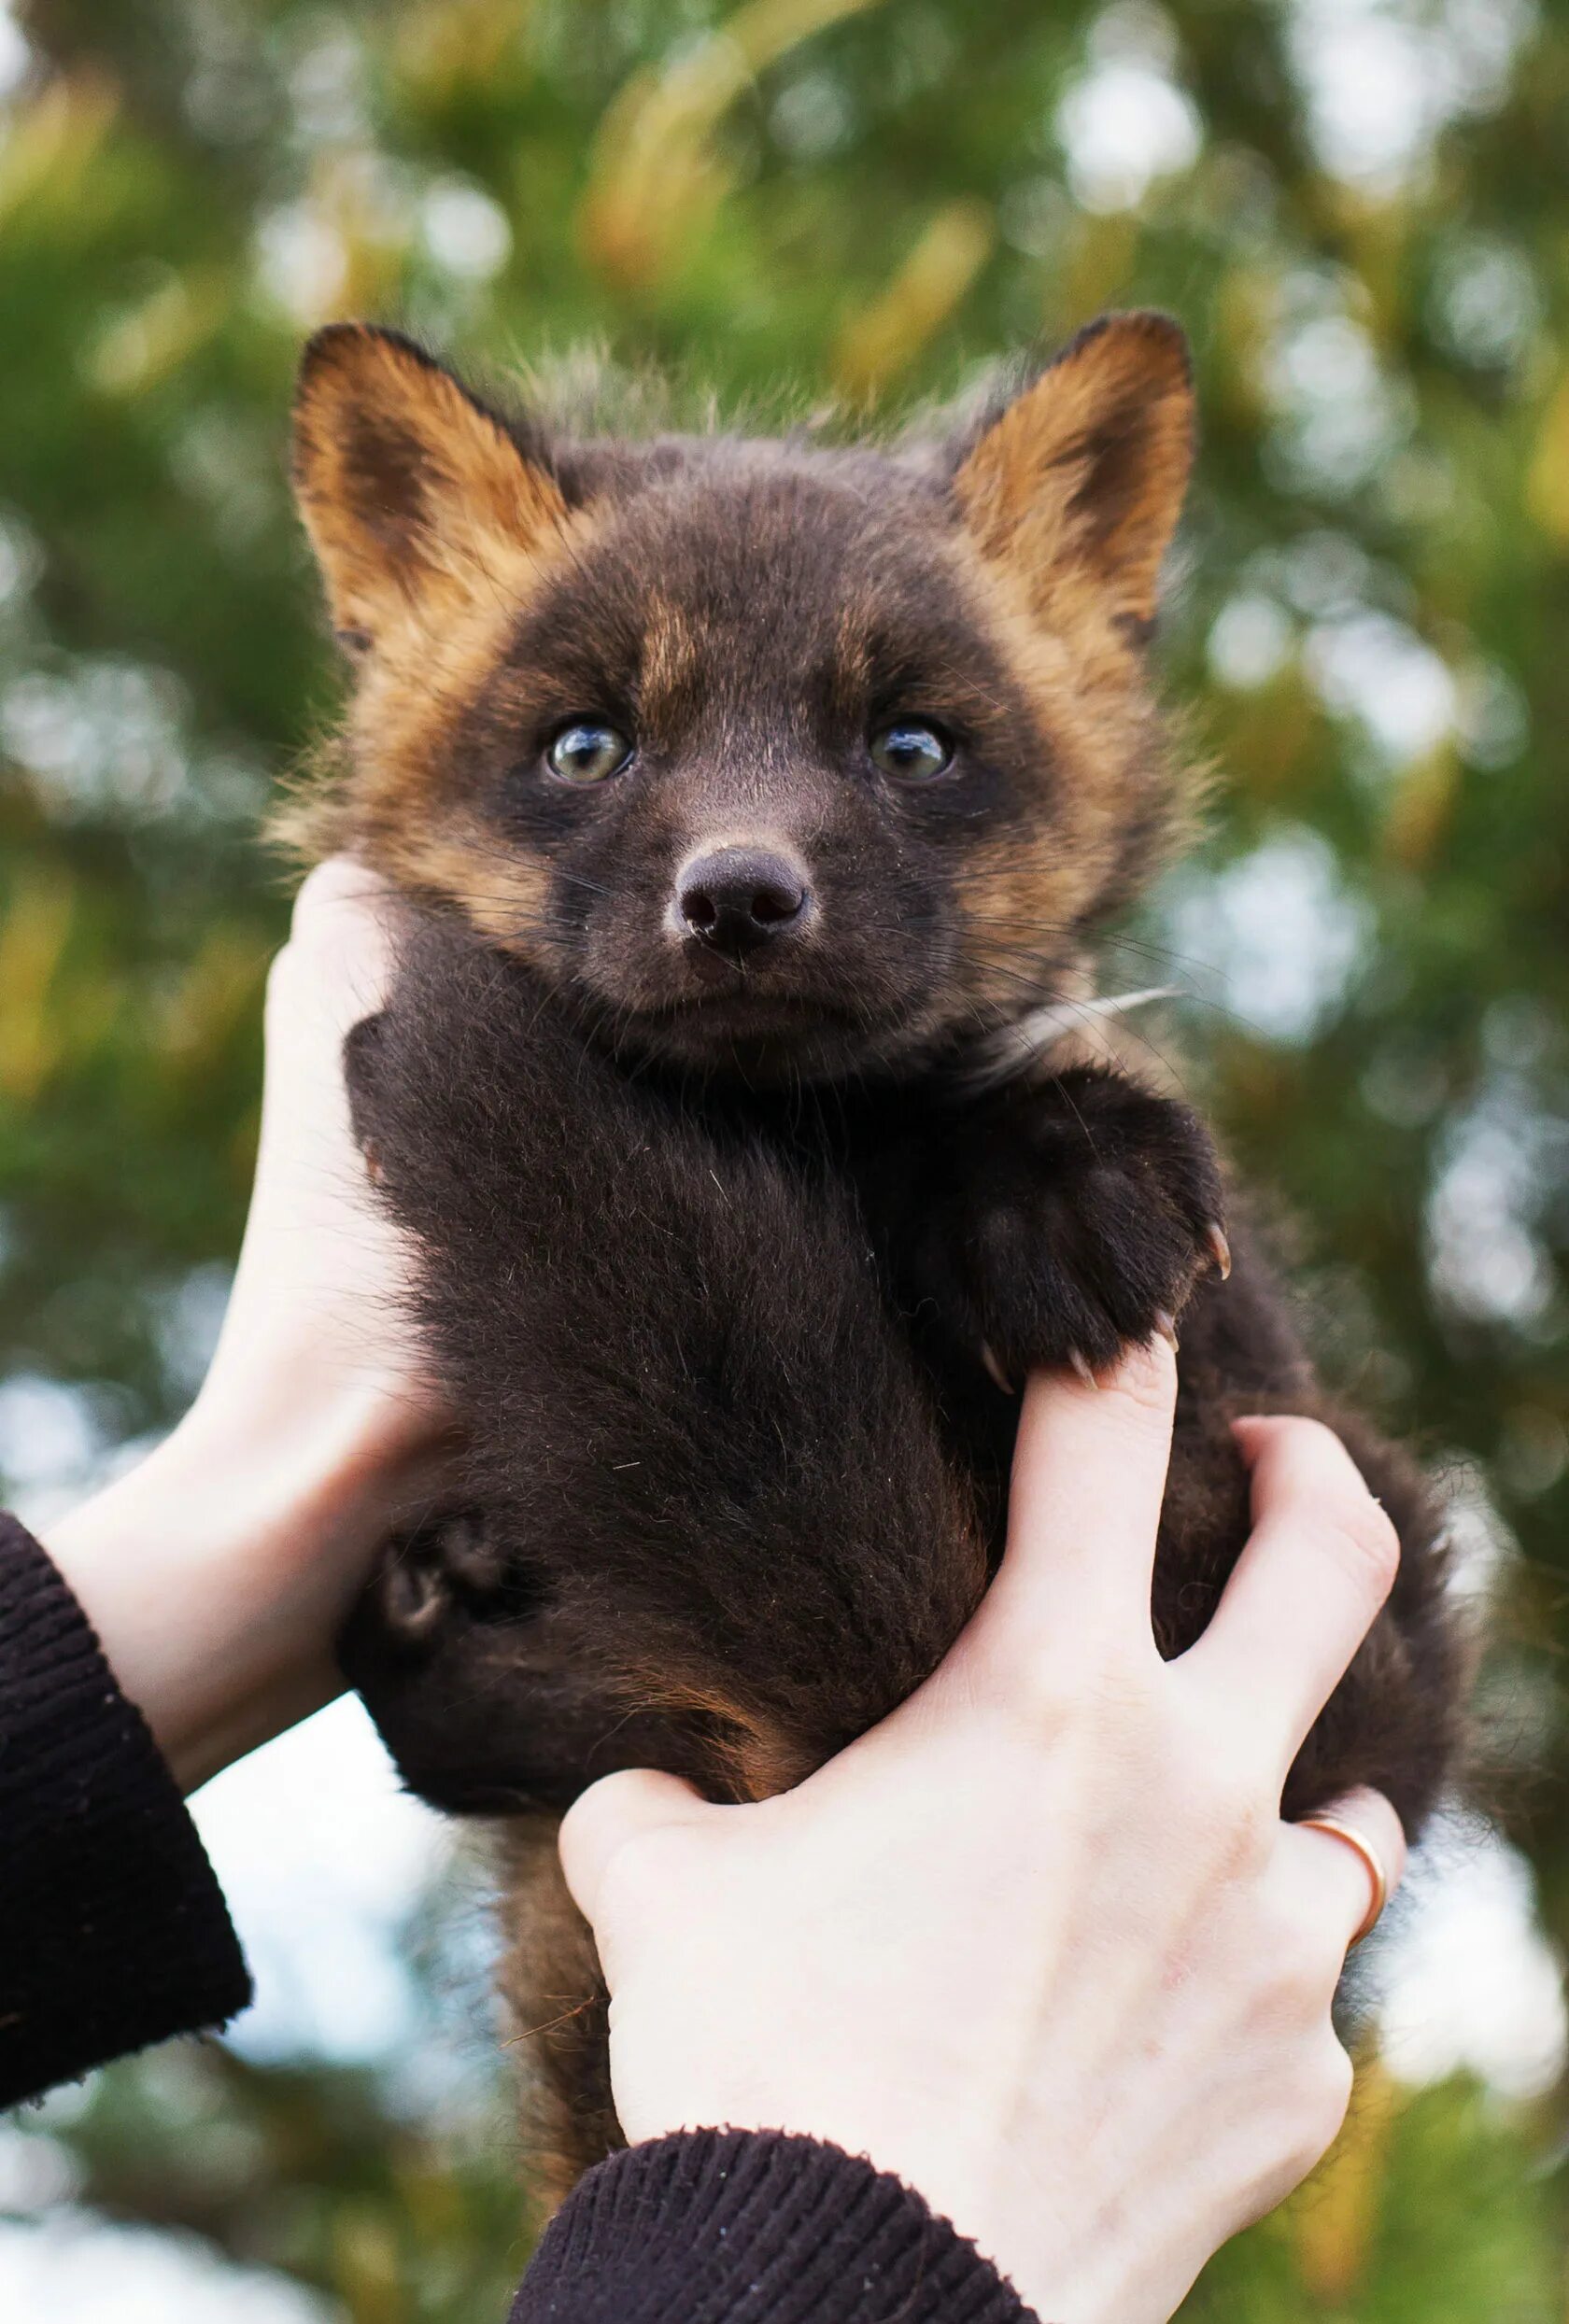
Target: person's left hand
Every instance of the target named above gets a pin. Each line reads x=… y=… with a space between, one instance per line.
x=217 y=1572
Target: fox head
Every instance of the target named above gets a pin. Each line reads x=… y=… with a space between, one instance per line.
x=774 y=758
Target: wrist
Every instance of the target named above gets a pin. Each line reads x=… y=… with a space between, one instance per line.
x=218 y=1571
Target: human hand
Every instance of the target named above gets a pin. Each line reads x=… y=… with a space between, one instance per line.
x=217 y=1571
x=1039 y=1944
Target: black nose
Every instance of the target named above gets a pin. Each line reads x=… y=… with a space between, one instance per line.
x=740 y=898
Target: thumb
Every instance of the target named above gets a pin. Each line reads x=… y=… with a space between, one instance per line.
x=618 y=1809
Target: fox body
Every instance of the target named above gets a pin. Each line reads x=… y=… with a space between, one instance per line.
x=757 y=806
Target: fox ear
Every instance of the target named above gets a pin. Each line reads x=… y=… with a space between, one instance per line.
x=1086 y=470
x=415 y=495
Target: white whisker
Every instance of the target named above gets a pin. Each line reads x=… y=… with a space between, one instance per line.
x=1011 y=1049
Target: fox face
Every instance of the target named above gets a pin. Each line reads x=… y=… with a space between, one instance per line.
x=778 y=759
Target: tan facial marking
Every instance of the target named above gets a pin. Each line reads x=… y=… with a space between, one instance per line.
x=1104 y=764
x=671 y=656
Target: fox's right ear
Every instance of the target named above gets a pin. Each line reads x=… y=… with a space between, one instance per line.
x=416 y=498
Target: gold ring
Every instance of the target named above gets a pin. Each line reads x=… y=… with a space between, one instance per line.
x=1369 y=1855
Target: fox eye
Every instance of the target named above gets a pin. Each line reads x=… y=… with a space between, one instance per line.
x=587 y=751
x=911 y=750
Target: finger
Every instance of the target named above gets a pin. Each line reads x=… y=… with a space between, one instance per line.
x=603 y=1819
x=1335 y=1867
x=340 y=942
x=336 y=887
x=1089 y=1474
x=1307 y=1588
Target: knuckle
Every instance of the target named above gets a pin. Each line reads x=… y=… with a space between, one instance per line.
x=1371 y=1815
x=1304 y=1967
x=1046 y=1698
x=336 y=922
x=639 y=1868
x=1144 y=1384
x=1364 y=1542
x=1300 y=1949
x=1311 y=1440
x=1307 y=1466
x=327 y=888
x=1094 y=1679
x=1102 y=1719
x=1111 y=1693
x=1240 y=1838
x=1321 y=2099
x=1228 y=1808
x=1328 y=2096
x=316 y=904
x=631 y=1870
x=1291 y=1455
x=1304 y=2150
x=281 y=972
x=1318 y=1478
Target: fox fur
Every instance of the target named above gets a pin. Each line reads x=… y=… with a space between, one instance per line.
x=732 y=1098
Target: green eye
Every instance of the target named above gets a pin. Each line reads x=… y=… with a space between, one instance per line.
x=911 y=751
x=587 y=751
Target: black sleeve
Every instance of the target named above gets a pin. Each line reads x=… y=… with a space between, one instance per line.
x=748 y=2226
x=113 y=1931
x=113 y=1934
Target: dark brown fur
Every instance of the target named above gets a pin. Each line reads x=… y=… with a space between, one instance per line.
x=718 y=1252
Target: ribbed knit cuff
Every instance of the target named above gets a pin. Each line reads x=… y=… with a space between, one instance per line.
x=750 y=2227
x=113 y=1931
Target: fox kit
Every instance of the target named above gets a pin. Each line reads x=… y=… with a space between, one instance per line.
x=757 y=806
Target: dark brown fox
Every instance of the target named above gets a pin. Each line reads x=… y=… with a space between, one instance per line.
x=759 y=806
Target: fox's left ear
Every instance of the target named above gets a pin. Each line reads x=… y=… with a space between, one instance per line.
x=1084 y=473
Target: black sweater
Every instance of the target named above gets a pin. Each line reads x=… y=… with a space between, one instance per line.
x=113 y=1934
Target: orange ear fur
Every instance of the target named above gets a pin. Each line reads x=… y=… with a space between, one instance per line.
x=1086 y=470
x=415 y=497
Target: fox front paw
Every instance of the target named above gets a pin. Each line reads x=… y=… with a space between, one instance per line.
x=1070 y=1222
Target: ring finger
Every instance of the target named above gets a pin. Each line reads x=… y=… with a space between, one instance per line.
x=1354 y=1869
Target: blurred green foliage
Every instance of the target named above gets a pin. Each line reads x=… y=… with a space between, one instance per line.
x=1429 y=2211
x=308 y=2171
x=1360 y=209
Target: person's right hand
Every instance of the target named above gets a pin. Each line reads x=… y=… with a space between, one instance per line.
x=1041 y=1943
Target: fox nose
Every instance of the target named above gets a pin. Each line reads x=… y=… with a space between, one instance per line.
x=740 y=898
